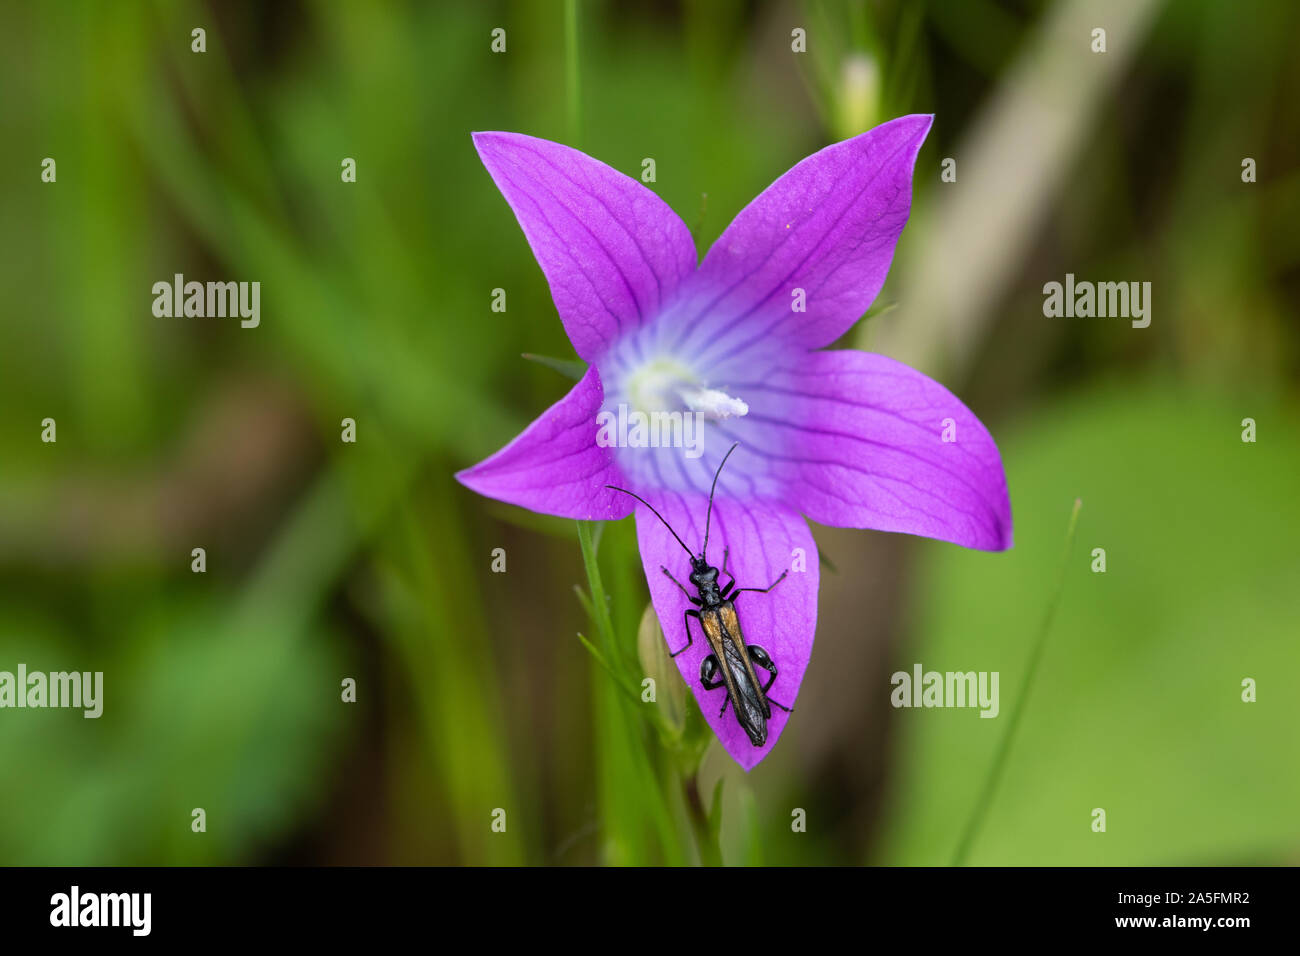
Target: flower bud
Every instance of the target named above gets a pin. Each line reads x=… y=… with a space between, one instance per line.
x=669 y=689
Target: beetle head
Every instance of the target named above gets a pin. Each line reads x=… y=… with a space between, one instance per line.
x=702 y=573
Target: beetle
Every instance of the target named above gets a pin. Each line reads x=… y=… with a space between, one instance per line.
x=731 y=662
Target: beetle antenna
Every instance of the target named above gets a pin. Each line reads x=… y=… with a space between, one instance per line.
x=709 y=518
x=657 y=515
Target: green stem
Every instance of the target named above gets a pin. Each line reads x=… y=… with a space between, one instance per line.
x=633 y=696
x=571 y=70
x=706 y=837
x=705 y=821
x=599 y=603
x=1004 y=747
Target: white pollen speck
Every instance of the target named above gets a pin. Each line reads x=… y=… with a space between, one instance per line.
x=713 y=403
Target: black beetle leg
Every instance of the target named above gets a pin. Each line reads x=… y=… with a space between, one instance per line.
x=686 y=616
x=763 y=659
x=709 y=679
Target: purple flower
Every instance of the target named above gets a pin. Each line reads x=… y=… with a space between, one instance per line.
x=842 y=437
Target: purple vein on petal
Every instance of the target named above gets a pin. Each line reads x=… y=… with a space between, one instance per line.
x=659 y=288
x=613 y=252
x=555 y=466
x=784 y=283
x=775 y=196
x=595 y=288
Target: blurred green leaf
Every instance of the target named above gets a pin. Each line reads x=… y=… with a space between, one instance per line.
x=569 y=368
x=1138 y=707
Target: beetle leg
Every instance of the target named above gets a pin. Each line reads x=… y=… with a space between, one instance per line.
x=686 y=623
x=766 y=589
x=762 y=659
x=709 y=679
x=726 y=556
x=667 y=574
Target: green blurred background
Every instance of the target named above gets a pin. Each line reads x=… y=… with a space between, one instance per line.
x=328 y=560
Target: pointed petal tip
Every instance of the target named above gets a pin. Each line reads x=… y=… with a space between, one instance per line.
x=1006 y=530
x=994 y=541
x=915 y=126
x=470 y=478
x=1006 y=541
x=492 y=141
x=910 y=126
x=920 y=123
x=484 y=137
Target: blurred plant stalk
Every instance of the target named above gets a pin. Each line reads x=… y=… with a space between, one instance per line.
x=1010 y=167
x=652 y=694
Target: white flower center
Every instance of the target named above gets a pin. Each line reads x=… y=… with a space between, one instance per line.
x=664 y=385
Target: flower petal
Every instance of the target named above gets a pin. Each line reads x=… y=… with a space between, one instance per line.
x=858 y=440
x=555 y=466
x=763 y=539
x=828 y=227
x=613 y=252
